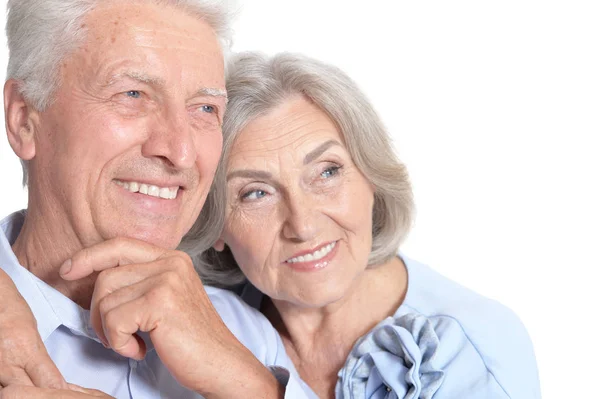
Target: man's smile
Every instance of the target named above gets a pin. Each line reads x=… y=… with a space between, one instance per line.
x=168 y=193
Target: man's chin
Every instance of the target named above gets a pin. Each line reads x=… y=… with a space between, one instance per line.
x=162 y=238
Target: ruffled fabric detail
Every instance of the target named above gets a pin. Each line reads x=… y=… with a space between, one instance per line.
x=394 y=360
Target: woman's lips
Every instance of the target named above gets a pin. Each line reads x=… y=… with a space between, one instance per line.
x=314 y=260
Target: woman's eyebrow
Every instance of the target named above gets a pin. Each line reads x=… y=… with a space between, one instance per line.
x=249 y=174
x=316 y=153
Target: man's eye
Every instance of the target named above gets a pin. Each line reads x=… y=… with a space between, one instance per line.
x=209 y=109
x=133 y=94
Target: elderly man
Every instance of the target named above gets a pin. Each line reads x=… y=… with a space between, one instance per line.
x=116 y=108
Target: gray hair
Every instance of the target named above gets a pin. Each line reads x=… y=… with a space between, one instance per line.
x=41 y=33
x=257 y=84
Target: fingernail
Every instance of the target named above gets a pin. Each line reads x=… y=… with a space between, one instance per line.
x=66 y=267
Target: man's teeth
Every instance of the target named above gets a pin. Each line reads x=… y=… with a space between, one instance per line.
x=321 y=253
x=148 y=189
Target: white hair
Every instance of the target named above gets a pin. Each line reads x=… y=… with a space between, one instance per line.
x=256 y=84
x=41 y=33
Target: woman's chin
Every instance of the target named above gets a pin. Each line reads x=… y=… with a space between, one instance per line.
x=311 y=298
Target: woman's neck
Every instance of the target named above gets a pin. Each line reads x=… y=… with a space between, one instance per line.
x=318 y=340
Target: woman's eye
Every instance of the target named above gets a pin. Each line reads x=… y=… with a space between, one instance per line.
x=330 y=172
x=254 y=195
x=209 y=109
x=133 y=94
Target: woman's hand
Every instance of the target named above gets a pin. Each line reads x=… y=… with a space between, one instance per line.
x=24 y=360
x=72 y=392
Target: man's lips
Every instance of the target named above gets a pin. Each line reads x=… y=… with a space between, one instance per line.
x=152 y=190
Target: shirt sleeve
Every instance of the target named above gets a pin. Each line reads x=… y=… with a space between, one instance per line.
x=507 y=352
x=483 y=346
x=294 y=386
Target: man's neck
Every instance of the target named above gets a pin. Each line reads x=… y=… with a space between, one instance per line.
x=42 y=246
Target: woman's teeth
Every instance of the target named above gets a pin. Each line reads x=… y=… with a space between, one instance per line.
x=148 y=189
x=319 y=254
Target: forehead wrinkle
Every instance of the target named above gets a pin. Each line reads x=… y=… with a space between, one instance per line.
x=280 y=143
x=272 y=133
x=162 y=31
x=181 y=41
x=279 y=131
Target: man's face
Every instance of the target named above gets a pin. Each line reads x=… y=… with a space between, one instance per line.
x=130 y=145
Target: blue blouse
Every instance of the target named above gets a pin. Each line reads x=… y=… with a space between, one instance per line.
x=443 y=342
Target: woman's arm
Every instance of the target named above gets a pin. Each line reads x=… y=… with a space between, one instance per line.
x=23 y=356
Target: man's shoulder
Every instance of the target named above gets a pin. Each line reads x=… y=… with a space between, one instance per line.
x=11 y=225
x=230 y=302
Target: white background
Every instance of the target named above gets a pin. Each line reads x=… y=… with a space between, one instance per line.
x=495 y=108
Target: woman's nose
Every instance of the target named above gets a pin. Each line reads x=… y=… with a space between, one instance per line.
x=301 y=221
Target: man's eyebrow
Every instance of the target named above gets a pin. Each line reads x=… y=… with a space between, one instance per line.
x=138 y=76
x=316 y=153
x=156 y=81
x=249 y=174
x=212 y=92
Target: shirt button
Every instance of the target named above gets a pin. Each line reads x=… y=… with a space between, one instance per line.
x=388 y=389
x=133 y=364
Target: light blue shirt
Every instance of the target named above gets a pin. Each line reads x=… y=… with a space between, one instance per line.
x=72 y=344
x=443 y=342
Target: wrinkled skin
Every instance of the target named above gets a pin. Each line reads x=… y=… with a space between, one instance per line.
x=23 y=357
x=146 y=288
x=71 y=392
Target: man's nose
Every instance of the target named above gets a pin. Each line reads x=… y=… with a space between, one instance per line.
x=172 y=139
x=301 y=221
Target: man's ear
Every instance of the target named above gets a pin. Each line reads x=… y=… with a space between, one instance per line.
x=20 y=121
x=219 y=246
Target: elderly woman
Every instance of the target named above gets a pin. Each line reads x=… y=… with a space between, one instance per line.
x=315 y=207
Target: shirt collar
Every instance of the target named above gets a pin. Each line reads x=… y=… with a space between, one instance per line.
x=50 y=308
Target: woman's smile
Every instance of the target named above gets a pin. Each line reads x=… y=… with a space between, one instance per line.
x=314 y=259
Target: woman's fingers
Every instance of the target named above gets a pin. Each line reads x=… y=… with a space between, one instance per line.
x=14 y=376
x=29 y=392
x=92 y=392
x=44 y=373
x=40 y=372
x=23 y=356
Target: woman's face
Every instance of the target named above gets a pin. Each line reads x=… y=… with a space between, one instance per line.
x=299 y=212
